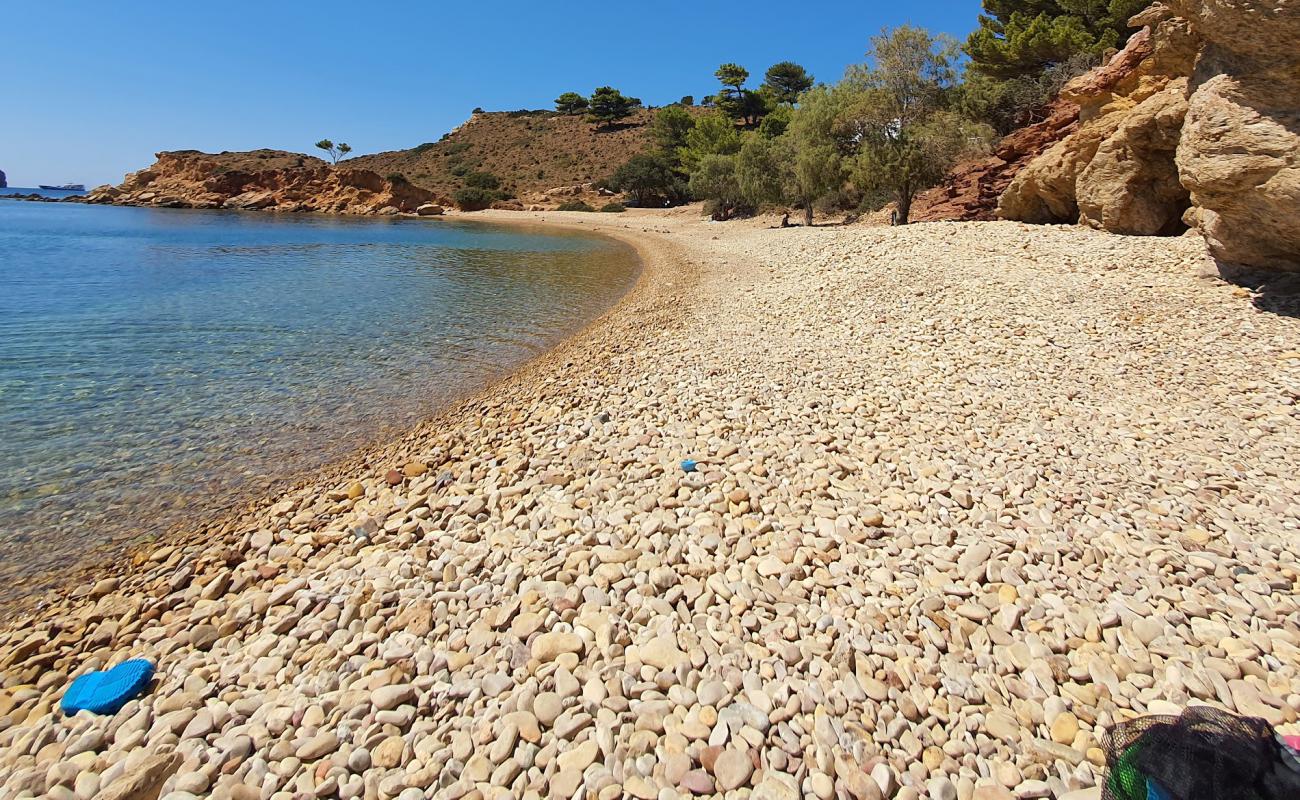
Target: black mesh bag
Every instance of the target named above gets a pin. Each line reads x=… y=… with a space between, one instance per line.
x=1202 y=754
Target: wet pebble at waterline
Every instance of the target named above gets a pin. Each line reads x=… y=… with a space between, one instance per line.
x=160 y=364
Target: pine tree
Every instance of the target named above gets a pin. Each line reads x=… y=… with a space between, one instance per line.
x=1017 y=38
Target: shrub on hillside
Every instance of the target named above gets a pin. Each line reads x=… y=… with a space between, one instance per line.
x=472 y=198
x=575 y=205
x=614 y=207
x=482 y=180
x=649 y=179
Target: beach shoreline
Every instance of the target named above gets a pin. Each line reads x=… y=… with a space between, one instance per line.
x=842 y=511
x=222 y=519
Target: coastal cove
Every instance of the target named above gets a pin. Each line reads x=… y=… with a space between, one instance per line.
x=159 y=368
x=912 y=469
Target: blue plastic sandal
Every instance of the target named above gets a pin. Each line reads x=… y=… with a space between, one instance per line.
x=106 y=691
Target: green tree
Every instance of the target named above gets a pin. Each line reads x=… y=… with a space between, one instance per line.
x=471 y=198
x=736 y=101
x=608 y=105
x=785 y=81
x=1016 y=38
x=714 y=181
x=775 y=122
x=816 y=142
x=335 y=151
x=649 y=179
x=763 y=170
x=1011 y=103
x=713 y=134
x=906 y=139
x=668 y=129
x=732 y=76
x=482 y=180
x=570 y=103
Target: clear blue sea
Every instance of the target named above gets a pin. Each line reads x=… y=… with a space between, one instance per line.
x=156 y=364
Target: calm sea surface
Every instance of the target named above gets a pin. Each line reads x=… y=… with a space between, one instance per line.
x=156 y=363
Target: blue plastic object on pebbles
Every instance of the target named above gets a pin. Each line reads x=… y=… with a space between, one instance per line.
x=106 y=691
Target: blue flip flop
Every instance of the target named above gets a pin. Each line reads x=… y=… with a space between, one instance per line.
x=106 y=691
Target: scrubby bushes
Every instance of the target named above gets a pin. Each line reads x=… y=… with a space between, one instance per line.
x=482 y=180
x=613 y=207
x=649 y=179
x=574 y=205
x=472 y=198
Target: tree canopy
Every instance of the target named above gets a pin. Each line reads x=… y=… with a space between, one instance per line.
x=335 y=151
x=906 y=138
x=713 y=134
x=669 y=127
x=785 y=81
x=608 y=105
x=570 y=103
x=649 y=179
x=1016 y=38
x=732 y=75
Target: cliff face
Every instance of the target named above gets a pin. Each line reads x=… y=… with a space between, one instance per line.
x=1195 y=123
x=271 y=180
x=1239 y=154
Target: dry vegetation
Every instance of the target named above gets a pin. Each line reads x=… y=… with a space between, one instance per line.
x=530 y=151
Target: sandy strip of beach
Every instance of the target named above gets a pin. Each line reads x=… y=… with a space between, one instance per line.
x=964 y=496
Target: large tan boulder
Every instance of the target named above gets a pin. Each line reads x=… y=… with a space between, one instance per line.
x=1044 y=191
x=1127 y=109
x=1131 y=183
x=1196 y=122
x=1239 y=155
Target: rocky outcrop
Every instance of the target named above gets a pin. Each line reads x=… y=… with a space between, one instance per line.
x=266 y=180
x=4 y=184
x=971 y=191
x=1239 y=155
x=1193 y=123
x=1116 y=171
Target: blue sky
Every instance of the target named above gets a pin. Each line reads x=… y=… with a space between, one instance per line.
x=90 y=90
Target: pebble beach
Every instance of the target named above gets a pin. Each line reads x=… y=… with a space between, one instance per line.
x=964 y=496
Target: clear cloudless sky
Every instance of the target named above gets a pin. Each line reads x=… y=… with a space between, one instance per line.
x=90 y=90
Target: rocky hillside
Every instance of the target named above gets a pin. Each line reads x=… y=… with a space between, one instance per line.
x=542 y=158
x=1195 y=123
x=971 y=191
x=532 y=152
x=272 y=180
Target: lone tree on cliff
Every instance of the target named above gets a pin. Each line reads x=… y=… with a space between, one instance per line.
x=336 y=151
x=608 y=105
x=570 y=103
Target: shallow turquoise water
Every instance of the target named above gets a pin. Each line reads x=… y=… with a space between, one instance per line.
x=153 y=362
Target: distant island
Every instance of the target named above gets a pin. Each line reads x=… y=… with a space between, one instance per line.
x=3 y=183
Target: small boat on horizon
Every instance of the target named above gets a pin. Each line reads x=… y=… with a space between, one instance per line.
x=67 y=187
